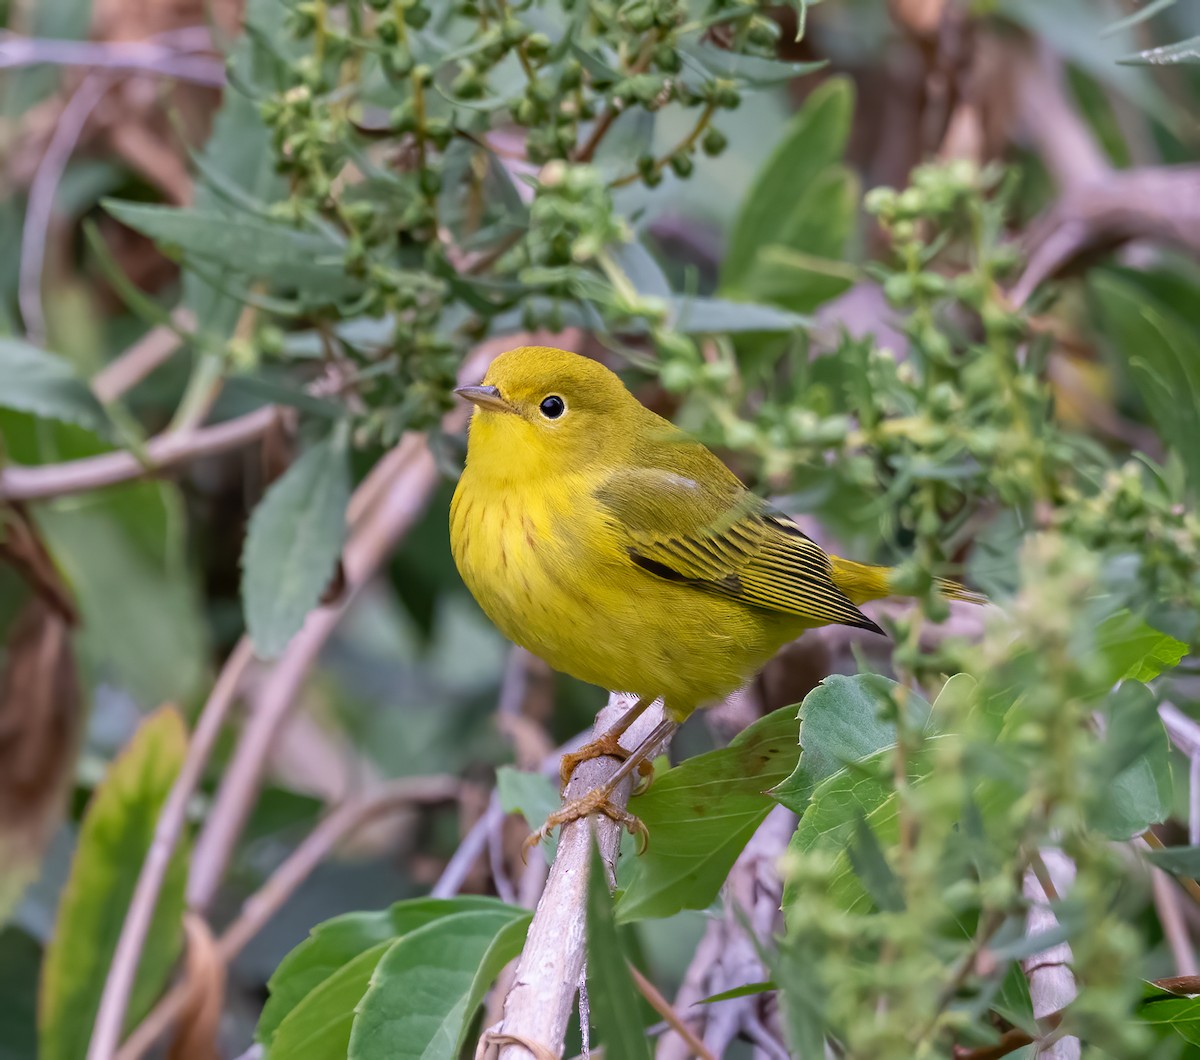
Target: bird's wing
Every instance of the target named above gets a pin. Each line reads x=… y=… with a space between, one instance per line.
x=720 y=538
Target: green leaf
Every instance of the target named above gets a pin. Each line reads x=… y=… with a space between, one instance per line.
x=1184 y=51
x=871 y=867
x=1171 y=1013
x=114 y=837
x=1135 y=651
x=427 y=985
x=293 y=542
x=748 y=69
x=701 y=813
x=1138 y=753
x=1163 y=353
x=534 y=796
x=123 y=552
x=240 y=150
x=813 y=141
x=1129 y=21
x=246 y=243
x=610 y=986
x=337 y=942
x=319 y=1027
x=699 y=316
x=32 y=380
x=801 y=266
x=20 y=956
x=841 y=723
x=1179 y=861
x=748 y=990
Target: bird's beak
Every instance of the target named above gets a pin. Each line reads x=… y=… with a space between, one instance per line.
x=486 y=397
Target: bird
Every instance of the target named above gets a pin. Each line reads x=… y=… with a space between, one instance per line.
x=610 y=543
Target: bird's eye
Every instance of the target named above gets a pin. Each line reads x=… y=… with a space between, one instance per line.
x=552 y=407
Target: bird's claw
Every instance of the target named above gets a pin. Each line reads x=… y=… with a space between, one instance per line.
x=606 y=745
x=594 y=802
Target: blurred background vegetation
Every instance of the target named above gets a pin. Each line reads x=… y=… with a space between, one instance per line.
x=924 y=271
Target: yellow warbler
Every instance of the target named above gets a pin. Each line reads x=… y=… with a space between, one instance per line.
x=602 y=538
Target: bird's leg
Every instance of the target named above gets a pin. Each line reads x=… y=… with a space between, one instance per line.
x=607 y=743
x=599 y=800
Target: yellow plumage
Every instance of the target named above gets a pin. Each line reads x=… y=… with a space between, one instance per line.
x=606 y=541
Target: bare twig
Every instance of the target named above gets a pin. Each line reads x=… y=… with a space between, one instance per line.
x=151 y=351
x=663 y=1007
x=1170 y=916
x=162 y=453
x=114 y=999
x=470 y=849
x=1185 y=734
x=40 y=207
x=168 y=54
x=258 y=909
x=1099 y=207
x=538 y=1006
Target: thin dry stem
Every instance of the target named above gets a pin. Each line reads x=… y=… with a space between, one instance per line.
x=163 y=453
x=114 y=1000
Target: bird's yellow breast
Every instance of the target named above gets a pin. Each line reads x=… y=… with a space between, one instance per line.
x=548 y=568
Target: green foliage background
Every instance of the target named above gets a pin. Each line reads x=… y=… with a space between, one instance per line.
x=386 y=186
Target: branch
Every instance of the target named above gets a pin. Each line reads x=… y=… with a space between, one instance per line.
x=162 y=453
x=1051 y=984
x=538 y=1007
x=146 y=355
x=42 y=191
x=1099 y=207
x=261 y=906
x=176 y=60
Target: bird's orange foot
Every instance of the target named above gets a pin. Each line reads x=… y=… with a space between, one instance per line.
x=597 y=801
x=609 y=744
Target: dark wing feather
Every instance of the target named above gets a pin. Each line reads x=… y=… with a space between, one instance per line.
x=714 y=534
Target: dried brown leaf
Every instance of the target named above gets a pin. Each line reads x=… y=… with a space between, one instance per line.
x=204 y=984
x=39 y=735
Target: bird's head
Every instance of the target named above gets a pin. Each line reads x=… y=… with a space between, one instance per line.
x=545 y=411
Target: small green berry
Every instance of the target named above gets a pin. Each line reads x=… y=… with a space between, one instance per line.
x=714 y=142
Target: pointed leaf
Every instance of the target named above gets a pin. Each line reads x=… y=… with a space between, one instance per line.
x=337 y=942
x=534 y=796
x=1180 y=861
x=114 y=837
x=293 y=543
x=841 y=722
x=700 y=815
x=427 y=985
x=32 y=380
x=614 y=1002
x=814 y=140
x=319 y=1027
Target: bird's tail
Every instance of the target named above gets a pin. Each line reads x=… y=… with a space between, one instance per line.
x=861 y=582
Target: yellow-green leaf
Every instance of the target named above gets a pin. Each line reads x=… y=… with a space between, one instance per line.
x=114 y=837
